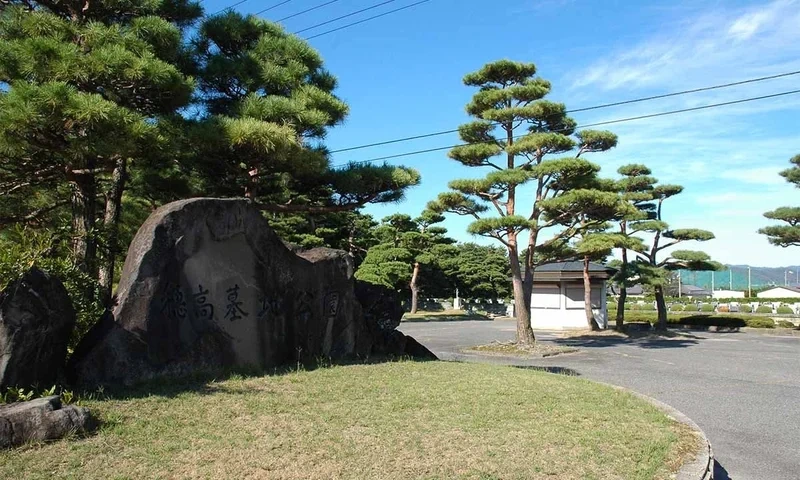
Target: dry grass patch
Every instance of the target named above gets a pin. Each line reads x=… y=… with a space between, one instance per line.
x=537 y=350
x=432 y=420
x=443 y=316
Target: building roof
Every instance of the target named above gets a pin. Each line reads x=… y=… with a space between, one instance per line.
x=574 y=267
x=632 y=290
x=793 y=289
x=694 y=290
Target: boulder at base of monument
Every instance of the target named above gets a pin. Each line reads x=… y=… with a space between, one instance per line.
x=208 y=284
x=41 y=419
x=36 y=321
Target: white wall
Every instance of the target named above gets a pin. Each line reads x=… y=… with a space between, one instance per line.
x=727 y=294
x=778 y=292
x=559 y=305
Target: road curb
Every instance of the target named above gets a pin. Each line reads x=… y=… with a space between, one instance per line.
x=702 y=467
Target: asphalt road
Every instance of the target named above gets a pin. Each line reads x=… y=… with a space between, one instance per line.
x=742 y=389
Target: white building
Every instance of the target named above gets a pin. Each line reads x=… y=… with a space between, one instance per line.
x=727 y=294
x=780 y=292
x=557 y=301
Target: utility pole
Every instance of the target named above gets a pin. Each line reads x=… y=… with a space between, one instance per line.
x=730 y=278
x=712 y=283
x=749 y=288
x=679 y=284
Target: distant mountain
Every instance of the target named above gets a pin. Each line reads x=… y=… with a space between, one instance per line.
x=736 y=275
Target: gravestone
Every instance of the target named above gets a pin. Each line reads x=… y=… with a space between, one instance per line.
x=208 y=284
x=36 y=321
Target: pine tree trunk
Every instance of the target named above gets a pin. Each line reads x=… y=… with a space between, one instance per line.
x=84 y=244
x=623 y=294
x=587 y=296
x=111 y=218
x=661 y=306
x=414 y=288
x=522 y=302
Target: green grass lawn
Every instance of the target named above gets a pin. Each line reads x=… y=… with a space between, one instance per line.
x=398 y=420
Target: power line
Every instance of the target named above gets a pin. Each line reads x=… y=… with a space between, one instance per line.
x=274 y=6
x=608 y=122
x=345 y=16
x=228 y=7
x=306 y=11
x=366 y=19
x=596 y=107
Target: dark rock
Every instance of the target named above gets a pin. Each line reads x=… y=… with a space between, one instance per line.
x=40 y=420
x=382 y=307
x=208 y=284
x=36 y=321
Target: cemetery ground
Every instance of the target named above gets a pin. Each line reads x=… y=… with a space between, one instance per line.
x=399 y=419
x=740 y=387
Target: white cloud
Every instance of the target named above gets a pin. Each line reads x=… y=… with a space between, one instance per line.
x=747 y=25
x=759 y=175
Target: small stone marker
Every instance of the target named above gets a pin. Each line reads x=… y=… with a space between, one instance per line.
x=40 y=420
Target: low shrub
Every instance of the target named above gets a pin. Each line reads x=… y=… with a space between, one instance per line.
x=676 y=308
x=711 y=321
x=706 y=307
x=764 y=309
x=745 y=309
x=786 y=324
x=784 y=310
x=758 y=322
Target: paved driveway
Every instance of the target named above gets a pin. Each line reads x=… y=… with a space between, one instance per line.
x=743 y=389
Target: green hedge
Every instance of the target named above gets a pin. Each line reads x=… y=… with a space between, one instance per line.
x=786 y=324
x=758 y=322
x=676 y=308
x=784 y=310
x=745 y=309
x=707 y=307
x=763 y=309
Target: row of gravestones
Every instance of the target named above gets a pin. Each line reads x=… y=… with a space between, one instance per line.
x=206 y=284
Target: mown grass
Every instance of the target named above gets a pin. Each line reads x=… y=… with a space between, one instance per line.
x=399 y=420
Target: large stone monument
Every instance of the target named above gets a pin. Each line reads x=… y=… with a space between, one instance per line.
x=207 y=283
x=36 y=321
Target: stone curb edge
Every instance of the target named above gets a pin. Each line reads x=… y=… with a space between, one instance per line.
x=702 y=467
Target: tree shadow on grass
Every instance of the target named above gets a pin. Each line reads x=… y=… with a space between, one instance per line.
x=206 y=382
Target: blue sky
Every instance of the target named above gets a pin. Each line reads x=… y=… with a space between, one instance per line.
x=401 y=75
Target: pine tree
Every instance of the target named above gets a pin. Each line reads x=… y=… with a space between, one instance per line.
x=405 y=246
x=268 y=103
x=636 y=187
x=786 y=235
x=652 y=266
x=87 y=83
x=511 y=99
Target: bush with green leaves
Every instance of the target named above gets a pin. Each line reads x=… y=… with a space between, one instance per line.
x=22 y=248
x=676 y=307
x=764 y=309
x=707 y=308
x=785 y=324
x=760 y=322
x=785 y=310
x=745 y=309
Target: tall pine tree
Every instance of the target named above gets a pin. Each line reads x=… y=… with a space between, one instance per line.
x=514 y=134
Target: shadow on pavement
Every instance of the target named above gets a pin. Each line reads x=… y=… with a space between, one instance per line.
x=648 y=341
x=719 y=472
x=556 y=370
